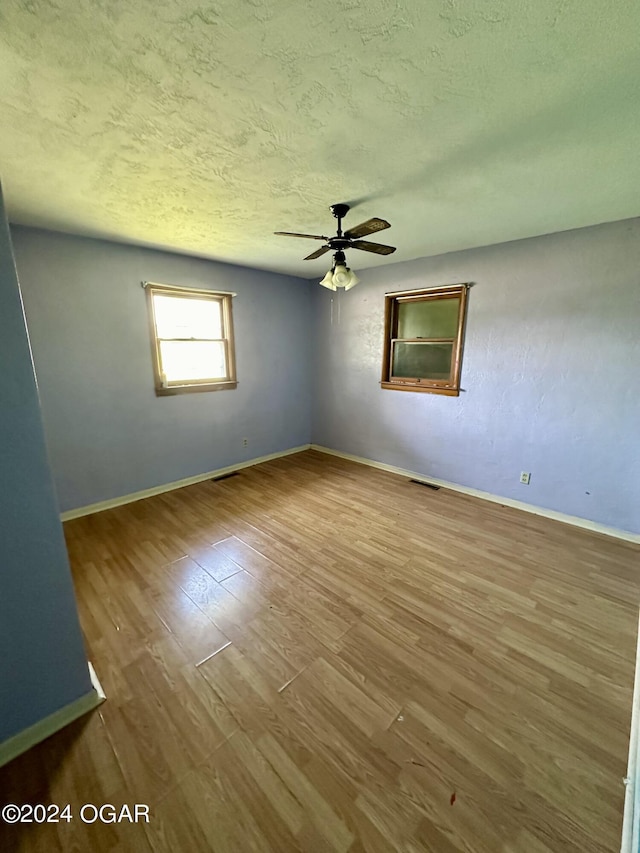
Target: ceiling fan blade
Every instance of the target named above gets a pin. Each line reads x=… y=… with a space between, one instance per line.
x=378 y=248
x=291 y=234
x=321 y=251
x=368 y=227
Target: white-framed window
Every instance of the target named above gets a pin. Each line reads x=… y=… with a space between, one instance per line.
x=191 y=339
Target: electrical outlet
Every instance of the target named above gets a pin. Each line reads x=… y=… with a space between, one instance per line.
x=525 y=477
x=245 y=442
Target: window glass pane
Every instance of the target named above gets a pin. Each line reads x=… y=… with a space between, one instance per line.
x=180 y=317
x=422 y=360
x=432 y=318
x=191 y=360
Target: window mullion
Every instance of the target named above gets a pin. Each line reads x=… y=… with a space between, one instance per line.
x=193 y=340
x=424 y=340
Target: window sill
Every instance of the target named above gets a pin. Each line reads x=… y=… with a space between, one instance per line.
x=172 y=390
x=423 y=389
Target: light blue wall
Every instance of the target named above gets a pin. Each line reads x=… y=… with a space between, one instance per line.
x=550 y=374
x=107 y=432
x=550 y=371
x=42 y=659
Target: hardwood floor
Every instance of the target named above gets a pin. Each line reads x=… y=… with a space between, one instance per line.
x=318 y=656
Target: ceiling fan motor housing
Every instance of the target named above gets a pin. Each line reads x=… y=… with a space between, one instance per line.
x=339 y=210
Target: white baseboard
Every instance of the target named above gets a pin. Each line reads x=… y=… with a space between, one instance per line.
x=631 y=820
x=24 y=740
x=176 y=484
x=96 y=683
x=574 y=520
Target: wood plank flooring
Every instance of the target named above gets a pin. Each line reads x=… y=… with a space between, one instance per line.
x=318 y=656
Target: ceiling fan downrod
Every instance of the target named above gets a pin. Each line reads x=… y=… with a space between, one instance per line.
x=339 y=211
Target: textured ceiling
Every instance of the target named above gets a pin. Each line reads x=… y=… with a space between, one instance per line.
x=205 y=126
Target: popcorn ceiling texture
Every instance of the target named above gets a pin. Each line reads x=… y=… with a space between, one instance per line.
x=204 y=127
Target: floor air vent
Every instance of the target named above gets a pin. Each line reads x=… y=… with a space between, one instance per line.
x=427 y=485
x=224 y=476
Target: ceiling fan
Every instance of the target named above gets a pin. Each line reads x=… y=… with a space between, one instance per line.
x=340 y=275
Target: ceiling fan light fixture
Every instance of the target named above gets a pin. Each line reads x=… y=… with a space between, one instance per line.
x=327 y=281
x=352 y=281
x=344 y=277
x=341 y=275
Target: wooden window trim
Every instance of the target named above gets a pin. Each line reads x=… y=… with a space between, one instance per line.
x=197 y=385
x=450 y=386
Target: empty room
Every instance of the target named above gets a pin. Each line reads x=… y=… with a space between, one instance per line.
x=319 y=456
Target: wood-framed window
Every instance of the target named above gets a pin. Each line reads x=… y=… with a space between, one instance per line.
x=424 y=331
x=191 y=339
